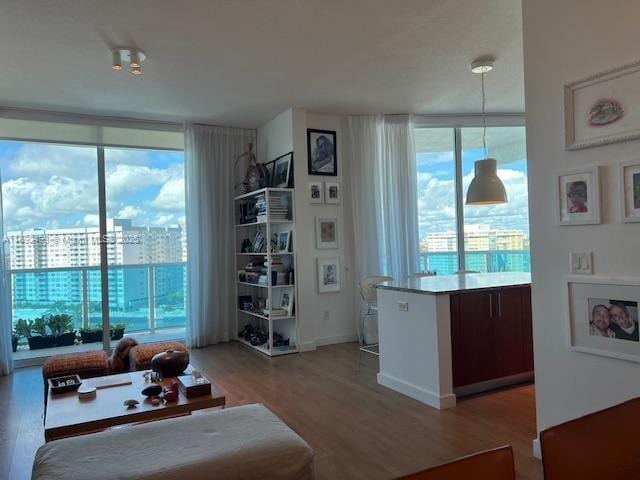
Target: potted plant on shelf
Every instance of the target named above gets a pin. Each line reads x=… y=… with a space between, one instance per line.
x=38 y=326
x=91 y=334
x=117 y=331
x=21 y=329
x=61 y=326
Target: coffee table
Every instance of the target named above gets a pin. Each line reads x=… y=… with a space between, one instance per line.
x=66 y=415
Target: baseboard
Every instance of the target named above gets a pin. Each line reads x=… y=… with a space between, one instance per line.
x=537 y=451
x=306 y=346
x=322 y=341
x=418 y=393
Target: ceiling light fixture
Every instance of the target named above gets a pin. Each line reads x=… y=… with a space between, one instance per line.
x=132 y=56
x=486 y=188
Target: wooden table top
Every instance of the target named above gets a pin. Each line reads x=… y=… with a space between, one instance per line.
x=66 y=415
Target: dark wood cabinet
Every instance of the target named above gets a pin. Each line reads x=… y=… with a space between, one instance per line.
x=491 y=334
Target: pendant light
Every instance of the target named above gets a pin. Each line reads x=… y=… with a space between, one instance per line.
x=486 y=188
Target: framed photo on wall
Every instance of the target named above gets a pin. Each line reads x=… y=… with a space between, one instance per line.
x=331 y=192
x=316 y=193
x=578 y=196
x=603 y=316
x=321 y=151
x=603 y=108
x=630 y=191
x=329 y=275
x=326 y=233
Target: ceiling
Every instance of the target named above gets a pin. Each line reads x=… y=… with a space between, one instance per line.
x=241 y=62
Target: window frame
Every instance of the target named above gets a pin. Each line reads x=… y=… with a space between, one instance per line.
x=456 y=123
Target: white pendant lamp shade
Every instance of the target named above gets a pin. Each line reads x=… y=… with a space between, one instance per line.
x=486 y=188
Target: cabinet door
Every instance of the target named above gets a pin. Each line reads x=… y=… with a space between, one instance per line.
x=527 y=329
x=471 y=338
x=508 y=332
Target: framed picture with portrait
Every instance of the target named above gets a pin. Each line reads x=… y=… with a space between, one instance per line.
x=316 y=192
x=322 y=152
x=332 y=192
x=329 y=275
x=326 y=233
x=630 y=191
x=603 y=316
x=578 y=196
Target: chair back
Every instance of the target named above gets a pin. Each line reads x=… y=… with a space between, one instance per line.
x=367 y=288
x=421 y=275
x=496 y=464
x=597 y=446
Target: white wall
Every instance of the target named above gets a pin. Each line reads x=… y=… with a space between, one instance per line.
x=330 y=317
x=567 y=41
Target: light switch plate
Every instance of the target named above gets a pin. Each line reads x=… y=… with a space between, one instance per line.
x=581 y=263
x=403 y=306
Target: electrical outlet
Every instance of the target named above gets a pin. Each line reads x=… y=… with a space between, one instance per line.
x=326 y=315
x=581 y=263
x=403 y=306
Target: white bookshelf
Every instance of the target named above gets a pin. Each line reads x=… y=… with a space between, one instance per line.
x=270 y=293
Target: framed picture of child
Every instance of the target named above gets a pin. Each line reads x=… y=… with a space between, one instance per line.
x=630 y=191
x=579 y=196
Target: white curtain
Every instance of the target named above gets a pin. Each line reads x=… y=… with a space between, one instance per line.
x=210 y=153
x=384 y=194
x=6 y=355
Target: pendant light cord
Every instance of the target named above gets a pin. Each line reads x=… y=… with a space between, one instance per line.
x=484 y=120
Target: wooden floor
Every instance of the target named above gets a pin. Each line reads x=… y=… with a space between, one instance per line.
x=357 y=428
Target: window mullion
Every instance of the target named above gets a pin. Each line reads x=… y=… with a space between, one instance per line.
x=459 y=199
x=104 y=267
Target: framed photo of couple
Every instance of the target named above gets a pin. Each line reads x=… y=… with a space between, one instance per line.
x=603 y=316
x=578 y=196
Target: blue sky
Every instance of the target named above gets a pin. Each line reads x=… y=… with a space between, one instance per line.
x=436 y=198
x=55 y=186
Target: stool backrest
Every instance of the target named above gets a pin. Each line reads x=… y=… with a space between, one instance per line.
x=367 y=288
x=496 y=464
x=597 y=446
x=421 y=275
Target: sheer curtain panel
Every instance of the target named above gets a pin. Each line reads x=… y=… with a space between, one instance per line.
x=210 y=153
x=6 y=355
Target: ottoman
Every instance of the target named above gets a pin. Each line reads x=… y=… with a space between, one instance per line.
x=142 y=354
x=85 y=364
x=241 y=443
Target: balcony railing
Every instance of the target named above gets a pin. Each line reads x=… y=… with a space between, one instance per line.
x=445 y=263
x=145 y=297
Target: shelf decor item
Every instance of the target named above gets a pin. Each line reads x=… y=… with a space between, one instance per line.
x=170 y=363
x=630 y=191
x=332 y=192
x=326 y=233
x=328 y=275
x=603 y=316
x=315 y=192
x=578 y=196
x=282 y=177
x=321 y=150
x=603 y=108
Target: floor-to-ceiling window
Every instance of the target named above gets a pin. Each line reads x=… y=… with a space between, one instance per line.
x=52 y=217
x=455 y=236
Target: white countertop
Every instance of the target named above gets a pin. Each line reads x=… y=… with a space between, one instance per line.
x=462 y=282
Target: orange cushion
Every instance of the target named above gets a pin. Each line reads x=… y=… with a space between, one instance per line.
x=142 y=354
x=85 y=364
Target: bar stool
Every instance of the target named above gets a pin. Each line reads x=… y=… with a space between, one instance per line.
x=369 y=295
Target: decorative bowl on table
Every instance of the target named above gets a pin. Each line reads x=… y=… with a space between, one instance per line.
x=170 y=363
x=65 y=384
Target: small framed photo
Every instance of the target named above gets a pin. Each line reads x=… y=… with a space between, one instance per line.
x=284 y=241
x=328 y=275
x=321 y=151
x=326 y=233
x=332 y=192
x=286 y=300
x=578 y=196
x=603 y=316
x=282 y=171
x=630 y=191
x=315 y=192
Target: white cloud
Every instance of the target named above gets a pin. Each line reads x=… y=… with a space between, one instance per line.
x=127 y=179
x=171 y=196
x=130 y=212
x=91 y=220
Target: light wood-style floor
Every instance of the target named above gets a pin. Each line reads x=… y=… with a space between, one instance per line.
x=358 y=429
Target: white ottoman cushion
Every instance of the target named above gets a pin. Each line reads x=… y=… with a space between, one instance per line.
x=247 y=442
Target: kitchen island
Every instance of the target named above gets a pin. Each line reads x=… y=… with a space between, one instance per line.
x=454 y=335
